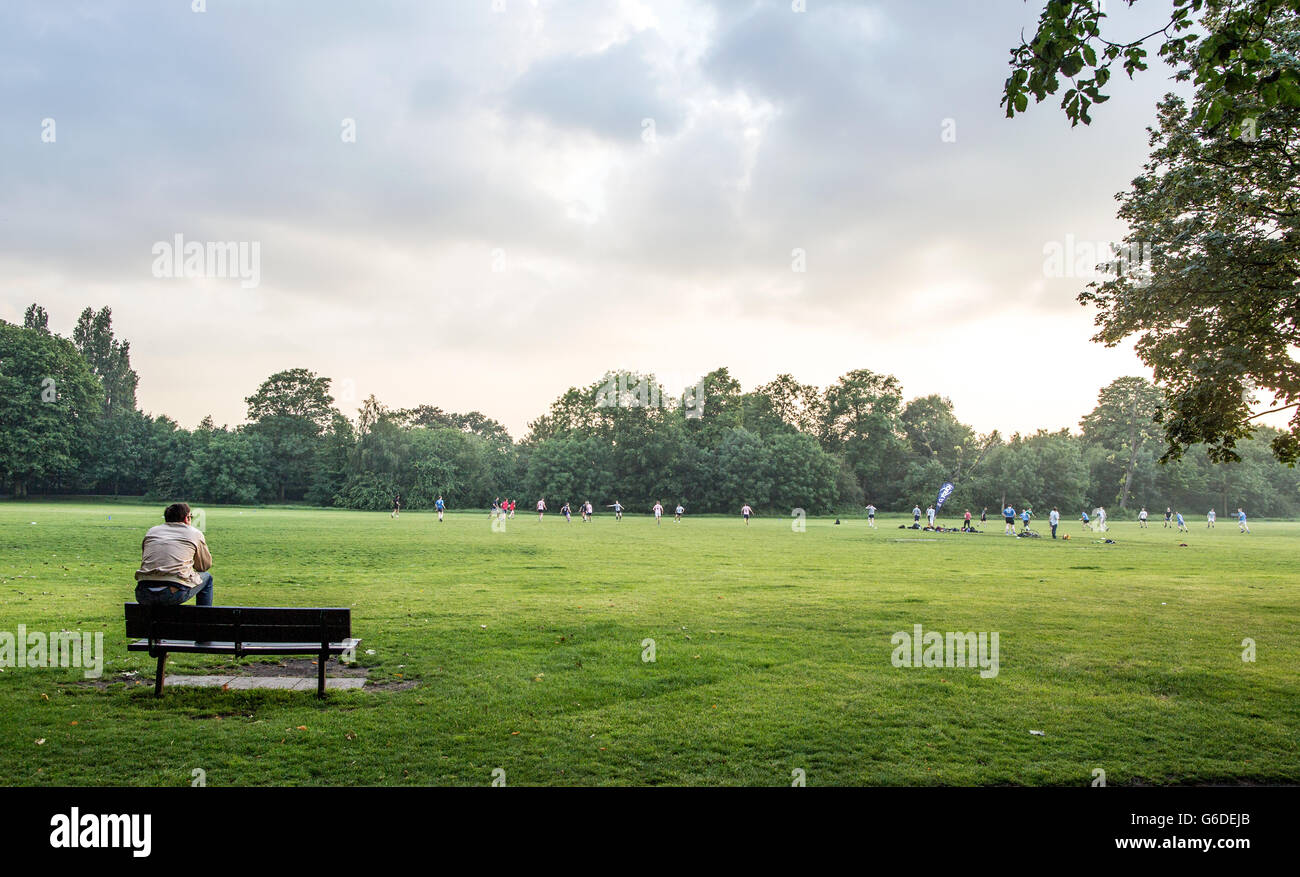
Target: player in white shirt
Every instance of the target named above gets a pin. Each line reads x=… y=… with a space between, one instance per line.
x=745 y=512
x=1142 y=518
x=1054 y=520
x=1209 y=519
x=618 y=510
x=871 y=516
x=677 y=514
x=541 y=507
x=658 y=510
x=929 y=515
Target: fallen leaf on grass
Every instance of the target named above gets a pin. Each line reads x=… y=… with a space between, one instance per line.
x=350 y=735
x=302 y=727
x=40 y=742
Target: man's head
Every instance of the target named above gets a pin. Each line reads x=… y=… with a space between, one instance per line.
x=177 y=513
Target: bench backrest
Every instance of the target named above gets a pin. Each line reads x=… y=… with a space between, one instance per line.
x=241 y=624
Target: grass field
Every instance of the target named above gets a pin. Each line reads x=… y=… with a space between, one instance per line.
x=523 y=650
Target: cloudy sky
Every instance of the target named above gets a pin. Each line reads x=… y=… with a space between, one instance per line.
x=478 y=204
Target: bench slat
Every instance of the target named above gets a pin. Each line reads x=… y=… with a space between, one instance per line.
x=228 y=648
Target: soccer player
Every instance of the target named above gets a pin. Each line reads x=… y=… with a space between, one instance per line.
x=929 y=516
x=1084 y=518
x=512 y=508
x=1101 y=519
x=567 y=512
x=588 y=511
x=541 y=507
x=984 y=515
x=916 y=515
x=1169 y=514
x=397 y=506
x=677 y=513
x=1209 y=519
x=658 y=510
x=1054 y=521
x=871 y=516
x=618 y=510
x=1142 y=518
x=1024 y=519
x=1242 y=526
x=745 y=512
x=1182 y=525
x=441 y=507
x=1009 y=515
x=966 y=523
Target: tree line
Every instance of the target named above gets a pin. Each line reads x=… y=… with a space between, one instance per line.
x=70 y=424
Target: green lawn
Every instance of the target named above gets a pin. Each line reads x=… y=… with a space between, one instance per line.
x=772 y=647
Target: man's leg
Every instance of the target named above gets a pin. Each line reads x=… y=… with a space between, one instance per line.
x=203 y=597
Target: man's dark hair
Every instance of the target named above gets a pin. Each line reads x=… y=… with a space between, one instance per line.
x=176 y=513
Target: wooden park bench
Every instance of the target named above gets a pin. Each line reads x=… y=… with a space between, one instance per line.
x=239 y=631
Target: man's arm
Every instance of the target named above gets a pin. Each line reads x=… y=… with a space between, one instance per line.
x=202 y=558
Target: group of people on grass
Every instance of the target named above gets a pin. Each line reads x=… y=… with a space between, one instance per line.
x=505 y=509
x=1211 y=517
x=440 y=507
x=1025 y=515
x=587 y=511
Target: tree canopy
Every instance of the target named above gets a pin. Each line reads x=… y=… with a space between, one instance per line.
x=780 y=446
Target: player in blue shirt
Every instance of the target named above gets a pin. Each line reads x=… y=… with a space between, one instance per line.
x=1182 y=525
x=440 y=506
x=1241 y=521
x=1009 y=515
x=1024 y=519
x=1084 y=518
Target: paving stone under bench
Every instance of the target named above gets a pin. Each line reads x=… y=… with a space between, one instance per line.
x=289 y=683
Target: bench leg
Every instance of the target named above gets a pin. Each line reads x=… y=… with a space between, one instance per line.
x=162 y=669
x=320 y=674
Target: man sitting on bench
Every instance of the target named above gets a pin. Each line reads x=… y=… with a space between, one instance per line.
x=174 y=562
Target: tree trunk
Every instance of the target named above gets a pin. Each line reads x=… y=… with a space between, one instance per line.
x=1128 y=477
x=1132 y=464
